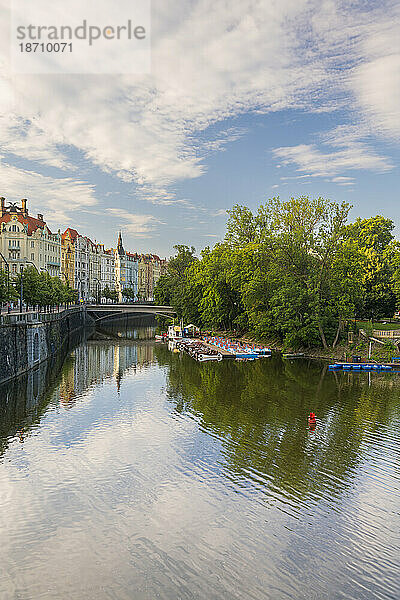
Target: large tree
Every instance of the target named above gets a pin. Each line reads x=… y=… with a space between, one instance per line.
x=294 y=270
x=379 y=256
x=171 y=288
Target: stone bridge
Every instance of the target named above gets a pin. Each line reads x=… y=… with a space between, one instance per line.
x=103 y=311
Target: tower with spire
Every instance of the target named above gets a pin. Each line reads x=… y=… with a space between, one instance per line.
x=120 y=247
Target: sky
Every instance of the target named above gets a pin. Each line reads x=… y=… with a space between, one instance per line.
x=245 y=100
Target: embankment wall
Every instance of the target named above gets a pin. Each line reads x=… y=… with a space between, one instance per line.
x=26 y=340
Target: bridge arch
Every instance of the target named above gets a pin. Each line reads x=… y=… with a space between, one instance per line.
x=102 y=311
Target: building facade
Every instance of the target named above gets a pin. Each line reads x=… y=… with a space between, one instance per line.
x=126 y=272
x=107 y=268
x=27 y=240
x=86 y=266
x=68 y=256
x=151 y=267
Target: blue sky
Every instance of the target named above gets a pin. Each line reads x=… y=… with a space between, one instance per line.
x=246 y=100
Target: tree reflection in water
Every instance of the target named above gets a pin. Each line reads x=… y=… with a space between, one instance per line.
x=259 y=412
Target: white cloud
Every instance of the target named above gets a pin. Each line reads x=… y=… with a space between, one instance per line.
x=142 y=226
x=343 y=180
x=344 y=149
x=55 y=197
x=212 y=61
x=375 y=81
x=26 y=139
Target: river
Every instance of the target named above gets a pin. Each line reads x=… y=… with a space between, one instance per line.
x=128 y=472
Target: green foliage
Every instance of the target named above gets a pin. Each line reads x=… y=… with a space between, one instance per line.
x=7 y=291
x=109 y=294
x=380 y=260
x=173 y=288
x=368 y=328
x=42 y=289
x=294 y=271
x=129 y=293
x=384 y=352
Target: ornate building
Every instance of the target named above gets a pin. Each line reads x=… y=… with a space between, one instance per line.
x=126 y=270
x=27 y=240
x=85 y=265
x=68 y=256
x=151 y=267
x=81 y=264
x=107 y=268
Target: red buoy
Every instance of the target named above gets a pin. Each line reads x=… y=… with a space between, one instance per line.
x=312 y=419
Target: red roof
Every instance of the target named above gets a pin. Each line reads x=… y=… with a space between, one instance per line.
x=32 y=223
x=73 y=234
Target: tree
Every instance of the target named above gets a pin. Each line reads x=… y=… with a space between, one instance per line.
x=293 y=270
x=30 y=285
x=280 y=272
x=379 y=254
x=109 y=294
x=171 y=287
x=129 y=293
x=7 y=291
x=244 y=227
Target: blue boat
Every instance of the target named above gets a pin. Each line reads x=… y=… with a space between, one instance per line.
x=359 y=367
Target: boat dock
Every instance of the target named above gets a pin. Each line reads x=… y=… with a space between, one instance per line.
x=225 y=353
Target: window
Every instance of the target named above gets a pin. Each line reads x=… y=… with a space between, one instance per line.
x=32 y=257
x=32 y=244
x=14 y=228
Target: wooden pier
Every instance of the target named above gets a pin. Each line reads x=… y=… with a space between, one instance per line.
x=225 y=353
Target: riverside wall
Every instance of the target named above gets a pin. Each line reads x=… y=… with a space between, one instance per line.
x=27 y=340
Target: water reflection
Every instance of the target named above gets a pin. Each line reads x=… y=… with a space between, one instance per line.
x=144 y=474
x=259 y=412
x=102 y=354
x=24 y=400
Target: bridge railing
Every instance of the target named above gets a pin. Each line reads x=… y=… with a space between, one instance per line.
x=388 y=333
x=119 y=307
x=36 y=316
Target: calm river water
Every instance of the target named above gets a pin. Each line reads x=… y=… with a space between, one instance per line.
x=128 y=472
